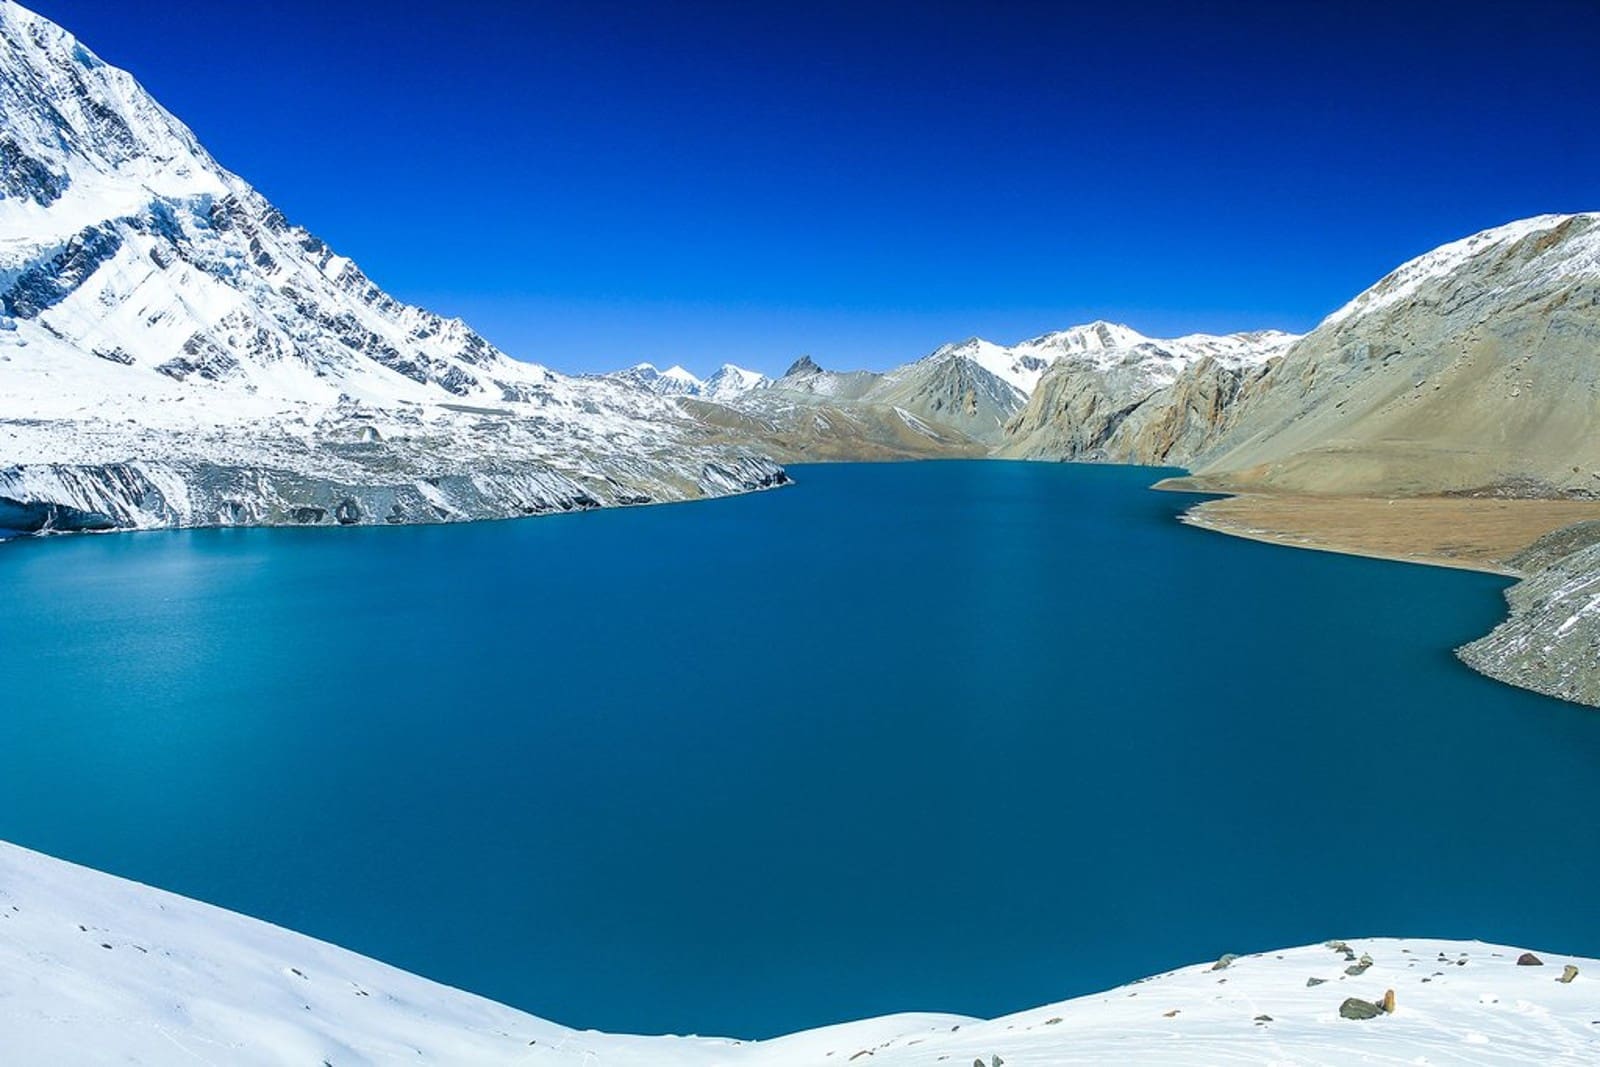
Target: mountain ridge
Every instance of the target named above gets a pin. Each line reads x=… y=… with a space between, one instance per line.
x=174 y=352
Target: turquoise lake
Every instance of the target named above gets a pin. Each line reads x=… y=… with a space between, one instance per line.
x=943 y=736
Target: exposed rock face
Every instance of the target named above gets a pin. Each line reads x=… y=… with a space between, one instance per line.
x=1472 y=369
x=1082 y=413
x=1101 y=391
x=174 y=352
x=952 y=390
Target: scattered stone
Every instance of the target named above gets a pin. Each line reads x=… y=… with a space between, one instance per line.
x=1314 y=981
x=1357 y=968
x=1169 y=1014
x=1263 y=1018
x=1528 y=959
x=1356 y=1008
x=1225 y=962
x=1568 y=973
x=1052 y=1020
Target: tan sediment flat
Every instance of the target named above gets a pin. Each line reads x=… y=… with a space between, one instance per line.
x=1467 y=532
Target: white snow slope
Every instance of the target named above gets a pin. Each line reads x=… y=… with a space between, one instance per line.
x=99 y=970
x=156 y=310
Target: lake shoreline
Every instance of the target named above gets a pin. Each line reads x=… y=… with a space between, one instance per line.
x=1483 y=534
x=1514 y=538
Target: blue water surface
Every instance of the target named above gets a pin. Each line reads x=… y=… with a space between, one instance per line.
x=943 y=736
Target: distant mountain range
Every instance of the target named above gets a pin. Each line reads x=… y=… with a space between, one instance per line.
x=728 y=383
x=969 y=393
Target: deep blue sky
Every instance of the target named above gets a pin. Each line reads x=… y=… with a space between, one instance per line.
x=595 y=183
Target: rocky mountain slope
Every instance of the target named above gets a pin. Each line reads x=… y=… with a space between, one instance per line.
x=174 y=352
x=1472 y=369
x=1112 y=394
x=1101 y=391
x=1549 y=643
x=814 y=414
x=98 y=970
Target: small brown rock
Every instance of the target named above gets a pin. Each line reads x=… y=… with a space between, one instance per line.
x=1528 y=959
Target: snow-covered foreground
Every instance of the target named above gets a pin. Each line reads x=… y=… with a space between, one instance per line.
x=95 y=969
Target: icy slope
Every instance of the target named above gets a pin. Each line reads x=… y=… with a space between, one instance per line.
x=98 y=970
x=156 y=312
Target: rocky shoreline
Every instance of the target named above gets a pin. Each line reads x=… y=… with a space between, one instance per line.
x=1547 y=643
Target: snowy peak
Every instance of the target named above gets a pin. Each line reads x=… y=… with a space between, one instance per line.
x=1563 y=246
x=728 y=382
x=1097 y=336
x=1106 y=346
x=731 y=381
x=674 y=381
x=80 y=133
x=135 y=264
x=168 y=339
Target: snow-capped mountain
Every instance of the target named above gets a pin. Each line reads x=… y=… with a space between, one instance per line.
x=728 y=382
x=674 y=381
x=731 y=381
x=174 y=351
x=1111 y=347
x=1110 y=393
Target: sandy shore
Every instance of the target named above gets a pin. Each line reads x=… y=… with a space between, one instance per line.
x=1466 y=532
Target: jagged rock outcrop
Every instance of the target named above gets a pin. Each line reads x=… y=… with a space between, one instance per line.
x=1141 y=400
x=174 y=352
x=1080 y=415
x=1550 y=643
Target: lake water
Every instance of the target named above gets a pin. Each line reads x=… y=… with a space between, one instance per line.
x=942 y=736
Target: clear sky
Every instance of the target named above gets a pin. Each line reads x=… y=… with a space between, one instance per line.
x=594 y=183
